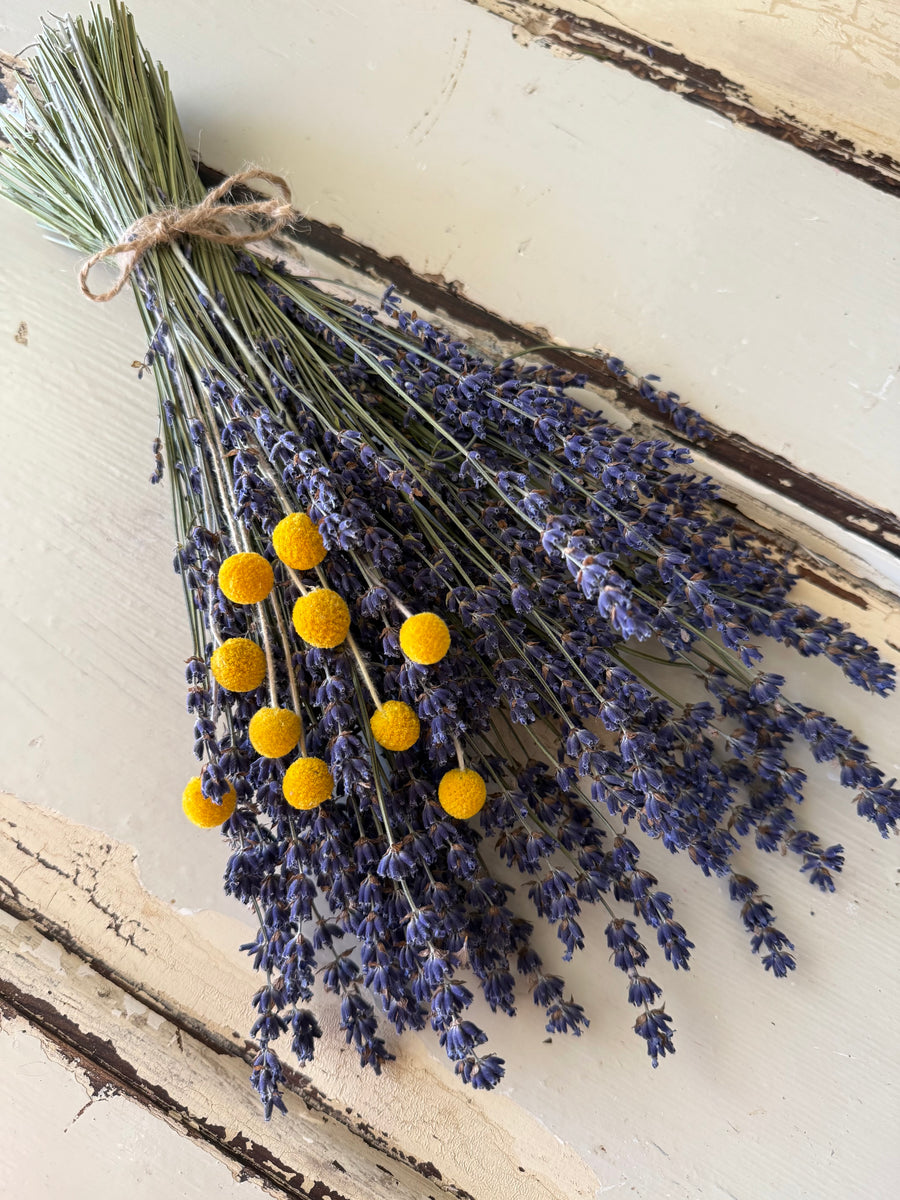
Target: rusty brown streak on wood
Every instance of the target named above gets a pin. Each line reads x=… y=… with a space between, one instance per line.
x=828 y=585
x=705 y=86
x=108 y=1071
x=875 y=525
x=102 y=1067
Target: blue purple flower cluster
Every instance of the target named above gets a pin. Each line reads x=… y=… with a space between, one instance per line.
x=573 y=564
x=559 y=549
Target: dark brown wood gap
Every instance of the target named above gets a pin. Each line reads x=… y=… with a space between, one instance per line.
x=109 y=1073
x=187 y=1027
x=673 y=72
x=828 y=585
x=875 y=525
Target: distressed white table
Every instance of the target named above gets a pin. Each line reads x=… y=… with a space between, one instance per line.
x=565 y=194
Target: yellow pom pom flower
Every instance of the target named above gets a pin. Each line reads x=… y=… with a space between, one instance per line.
x=274 y=732
x=322 y=618
x=395 y=726
x=307 y=783
x=246 y=578
x=424 y=638
x=239 y=665
x=462 y=793
x=203 y=812
x=298 y=542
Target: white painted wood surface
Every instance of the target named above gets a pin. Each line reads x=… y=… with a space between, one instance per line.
x=831 y=64
x=566 y=195
x=164 y=967
x=777 y=1090
x=61 y=1140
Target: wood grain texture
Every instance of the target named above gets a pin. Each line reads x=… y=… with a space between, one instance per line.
x=822 y=77
x=153 y=1000
x=601 y=209
x=726 y=451
x=68 y=1131
x=127 y=1049
x=567 y=197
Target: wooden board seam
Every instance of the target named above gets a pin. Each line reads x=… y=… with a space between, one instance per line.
x=673 y=72
x=848 y=512
x=79 y=1045
x=109 y=1074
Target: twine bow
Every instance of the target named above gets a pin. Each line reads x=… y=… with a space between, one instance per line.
x=202 y=220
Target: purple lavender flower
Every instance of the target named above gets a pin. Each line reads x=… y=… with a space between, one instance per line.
x=564 y=557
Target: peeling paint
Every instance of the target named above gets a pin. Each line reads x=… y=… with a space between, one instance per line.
x=191 y=979
x=763 y=466
x=757 y=101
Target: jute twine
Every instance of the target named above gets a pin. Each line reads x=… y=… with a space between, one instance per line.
x=202 y=220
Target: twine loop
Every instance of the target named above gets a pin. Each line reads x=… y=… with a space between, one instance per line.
x=202 y=220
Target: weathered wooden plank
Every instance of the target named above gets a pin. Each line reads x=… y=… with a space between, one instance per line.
x=575 y=199
x=822 y=77
x=69 y=1131
x=128 y=1049
x=726 y=449
x=154 y=999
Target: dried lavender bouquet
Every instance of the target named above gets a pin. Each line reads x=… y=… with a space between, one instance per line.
x=424 y=588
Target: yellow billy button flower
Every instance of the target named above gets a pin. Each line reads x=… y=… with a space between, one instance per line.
x=395 y=726
x=274 y=732
x=239 y=665
x=462 y=793
x=246 y=578
x=298 y=542
x=322 y=618
x=424 y=638
x=203 y=812
x=307 y=783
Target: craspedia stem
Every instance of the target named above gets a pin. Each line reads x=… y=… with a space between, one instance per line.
x=363 y=670
x=270 y=657
x=289 y=664
x=296 y=580
x=457 y=746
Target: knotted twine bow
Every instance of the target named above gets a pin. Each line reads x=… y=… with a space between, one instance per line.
x=202 y=220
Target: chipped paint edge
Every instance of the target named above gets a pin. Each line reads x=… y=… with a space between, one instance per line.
x=80 y=890
x=580 y=36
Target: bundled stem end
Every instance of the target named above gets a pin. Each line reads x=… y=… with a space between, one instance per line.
x=429 y=599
